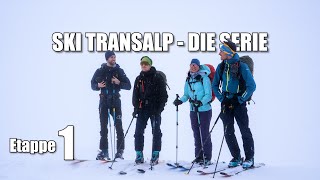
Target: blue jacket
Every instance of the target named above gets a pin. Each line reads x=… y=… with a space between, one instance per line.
x=230 y=84
x=202 y=90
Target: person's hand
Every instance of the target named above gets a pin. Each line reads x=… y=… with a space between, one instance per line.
x=177 y=102
x=226 y=105
x=114 y=80
x=235 y=101
x=197 y=103
x=135 y=112
x=102 y=84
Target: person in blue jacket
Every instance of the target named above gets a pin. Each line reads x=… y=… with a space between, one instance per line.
x=233 y=97
x=198 y=91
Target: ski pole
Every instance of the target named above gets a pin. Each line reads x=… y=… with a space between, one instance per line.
x=122 y=141
x=114 y=130
x=152 y=125
x=215 y=169
x=205 y=141
x=177 y=131
x=200 y=132
x=110 y=132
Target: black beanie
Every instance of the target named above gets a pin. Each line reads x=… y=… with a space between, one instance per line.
x=231 y=45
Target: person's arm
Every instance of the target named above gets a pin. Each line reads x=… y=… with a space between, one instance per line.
x=94 y=82
x=124 y=80
x=135 y=100
x=185 y=96
x=250 y=83
x=207 y=90
x=216 y=84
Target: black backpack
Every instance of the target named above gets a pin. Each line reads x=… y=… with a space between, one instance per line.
x=235 y=72
x=163 y=76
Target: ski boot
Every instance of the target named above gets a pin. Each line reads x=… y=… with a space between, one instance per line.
x=248 y=163
x=139 y=157
x=103 y=155
x=155 y=158
x=119 y=154
x=206 y=162
x=235 y=162
x=198 y=160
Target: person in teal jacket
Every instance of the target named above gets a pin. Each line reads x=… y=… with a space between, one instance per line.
x=233 y=96
x=198 y=91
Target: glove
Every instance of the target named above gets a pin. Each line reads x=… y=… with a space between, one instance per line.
x=235 y=101
x=135 y=112
x=177 y=102
x=197 y=103
x=226 y=104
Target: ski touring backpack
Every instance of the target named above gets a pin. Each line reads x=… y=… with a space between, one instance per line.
x=211 y=77
x=242 y=84
x=164 y=77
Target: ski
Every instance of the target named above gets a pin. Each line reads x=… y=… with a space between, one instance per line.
x=77 y=161
x=236 y=170
x=174 y=166
x=221 y=167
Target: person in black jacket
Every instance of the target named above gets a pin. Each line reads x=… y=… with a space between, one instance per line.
x=110 y=79
x=149 y=98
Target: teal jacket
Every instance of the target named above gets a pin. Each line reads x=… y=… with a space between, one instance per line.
x=230 y=84
x=202 y=90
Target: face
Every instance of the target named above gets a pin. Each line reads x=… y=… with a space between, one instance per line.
x=194 y=68
x=112 y=60
x=145 y=67
x=223 y=56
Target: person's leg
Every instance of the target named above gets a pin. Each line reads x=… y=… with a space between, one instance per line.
x=103 y=115
x=228 y=123
x=242 y=119
x=196 y=134
x=141 y=124
x=156 y=131
x=205 y=119
x=119 y=128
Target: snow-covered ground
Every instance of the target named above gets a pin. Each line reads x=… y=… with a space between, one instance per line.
x=43 y=91
x=39 y=170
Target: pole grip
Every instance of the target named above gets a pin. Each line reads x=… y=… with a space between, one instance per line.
x=177 y=97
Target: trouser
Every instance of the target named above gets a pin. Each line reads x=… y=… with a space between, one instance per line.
x=239 y=112
x=141 y=124
x=205 y=119
x=116 y=115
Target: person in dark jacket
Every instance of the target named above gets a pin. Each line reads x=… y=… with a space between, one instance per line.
x=233 y=102
x=149 y=99
x=110 y=79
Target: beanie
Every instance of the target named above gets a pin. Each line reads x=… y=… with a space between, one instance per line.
x=146 y=59
x=195 y=61
x=108 y=54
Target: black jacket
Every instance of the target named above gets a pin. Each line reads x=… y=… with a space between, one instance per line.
x=150 y=91
x=105 y=73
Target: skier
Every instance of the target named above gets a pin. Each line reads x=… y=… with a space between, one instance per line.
x=110 y=79
x=233 y=102
x=149 y=99
x=198 y=91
